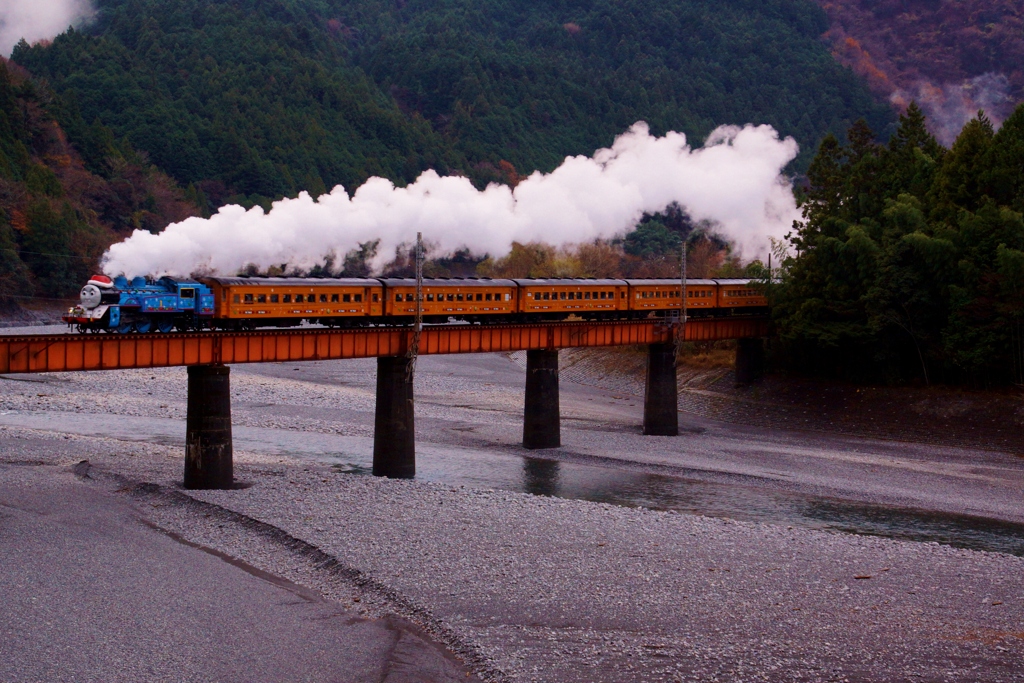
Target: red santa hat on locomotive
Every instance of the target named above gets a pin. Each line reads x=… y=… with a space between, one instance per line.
x=101 y=281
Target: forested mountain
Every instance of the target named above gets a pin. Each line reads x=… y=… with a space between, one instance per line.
x=253 y=99
x=62 y=205
x=909 y=263
x=952 y=56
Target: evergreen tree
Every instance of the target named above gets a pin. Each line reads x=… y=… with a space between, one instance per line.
x=909 y=261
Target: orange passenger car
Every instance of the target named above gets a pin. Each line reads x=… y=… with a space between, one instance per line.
x=469 y=299
x=665 y=294
x=740 y=296
x=558 y=298
x=272 y=301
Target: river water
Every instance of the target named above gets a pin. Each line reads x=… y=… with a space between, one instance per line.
x=494 y=469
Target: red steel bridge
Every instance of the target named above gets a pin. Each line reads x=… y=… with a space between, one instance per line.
x=69 y=352
x=208 y=449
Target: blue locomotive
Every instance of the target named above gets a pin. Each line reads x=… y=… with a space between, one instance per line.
x=141 y=305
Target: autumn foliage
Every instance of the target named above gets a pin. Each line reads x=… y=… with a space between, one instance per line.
x=64 y=199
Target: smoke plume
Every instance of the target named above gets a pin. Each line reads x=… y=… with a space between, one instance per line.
x=951 y=105
x=36 y=20
x=734 y=180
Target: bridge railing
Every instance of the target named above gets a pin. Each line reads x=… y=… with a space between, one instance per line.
x=70 y=352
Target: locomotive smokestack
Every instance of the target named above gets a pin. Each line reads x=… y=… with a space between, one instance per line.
x=734 y=180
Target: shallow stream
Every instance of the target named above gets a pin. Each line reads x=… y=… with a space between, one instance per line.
x=479 y=468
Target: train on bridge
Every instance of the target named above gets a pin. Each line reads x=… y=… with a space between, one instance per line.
x=241 y=303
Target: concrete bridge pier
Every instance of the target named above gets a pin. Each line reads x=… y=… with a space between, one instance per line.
x=541 y=419
x=208 y=447
x=394 y=429
x=749 y=360
x=661 y=411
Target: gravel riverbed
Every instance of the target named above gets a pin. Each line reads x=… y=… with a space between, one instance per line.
x=535 y=588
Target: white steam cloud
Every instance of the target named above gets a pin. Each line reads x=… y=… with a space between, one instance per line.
x=36 y=20
x=734 y=180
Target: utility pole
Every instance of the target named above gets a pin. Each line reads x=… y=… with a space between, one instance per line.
x=681 y=331
x=414 y=348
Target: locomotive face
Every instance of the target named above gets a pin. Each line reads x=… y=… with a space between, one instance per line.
x=91 y=296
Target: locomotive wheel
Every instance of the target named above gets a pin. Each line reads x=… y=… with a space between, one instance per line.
x=164 y=325
x=143 y=326
x=124 y=328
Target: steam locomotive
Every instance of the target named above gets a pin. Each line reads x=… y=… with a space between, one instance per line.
x=241 y=303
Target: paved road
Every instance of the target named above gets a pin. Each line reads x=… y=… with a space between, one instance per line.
x=90 y=592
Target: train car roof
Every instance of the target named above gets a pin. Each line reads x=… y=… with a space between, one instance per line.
x=660 y=282
x=297 y=281
x=446 y=282
x=178 y=280
x=567 y=281
x=738 y=281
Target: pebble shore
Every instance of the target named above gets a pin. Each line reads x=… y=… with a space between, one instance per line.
x=532 y=588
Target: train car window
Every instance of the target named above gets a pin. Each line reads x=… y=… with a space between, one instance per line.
x=298 y=298
x=623 y=295
x=479 y=297
x=248 y=298
x=187 y=293
x=274 y=298
x=487 y=297
x=572 y=296
x=545 y=296
x=604 y=295
x=261 y=298
x=430 y=297
x=237 y=299
x=398 y=297
x=359 y=298
x=458 y=297
x=287 y=298
x=346 y=298
x=323 y=298
x=375 y=297
x=507 y=297
x=334 y=298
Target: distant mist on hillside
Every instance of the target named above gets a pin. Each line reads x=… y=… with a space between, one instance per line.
x=952 y=58
x=36 y=20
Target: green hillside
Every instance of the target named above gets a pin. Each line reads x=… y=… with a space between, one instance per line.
x=263 y=98
x=62 y=203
